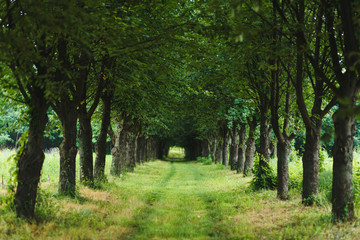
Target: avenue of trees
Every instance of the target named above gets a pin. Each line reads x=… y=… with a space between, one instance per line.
x=222 y=79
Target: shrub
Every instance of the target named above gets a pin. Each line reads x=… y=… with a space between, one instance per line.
x=45 y=208
x=356 y=184
x=295 y=175
x=264 y=176
x=4 y=139
x=311 y=200
x=204 y=160
x=293 y=156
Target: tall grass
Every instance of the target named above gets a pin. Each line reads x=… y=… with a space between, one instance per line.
x=325 y=177
x=6 y=164
x=169 y=200
x=50 y=170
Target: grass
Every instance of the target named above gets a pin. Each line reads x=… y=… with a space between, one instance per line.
x=176 y=154
x=50 y=170
x=173 y=200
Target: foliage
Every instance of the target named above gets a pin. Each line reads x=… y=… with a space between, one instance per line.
x=294 y=156
x=4 y=139
x=204 y=160
x=46 y=208
x=296 y=175
x=263 y=176
x=15 y=159
x=323 y=156
x=356 y=181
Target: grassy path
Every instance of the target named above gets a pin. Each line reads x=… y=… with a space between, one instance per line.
x=179 y=200
x=177 y=206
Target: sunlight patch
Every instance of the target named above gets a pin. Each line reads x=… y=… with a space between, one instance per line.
x=133 y=204
x=271 y=216
x=97 y=195
x=72 y=206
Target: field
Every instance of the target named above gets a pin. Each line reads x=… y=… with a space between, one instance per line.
x=174 y=200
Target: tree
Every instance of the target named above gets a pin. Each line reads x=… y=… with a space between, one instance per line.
x=344 y=53
x=26 y=49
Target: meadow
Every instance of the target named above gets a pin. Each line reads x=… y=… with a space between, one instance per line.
x=176 y=200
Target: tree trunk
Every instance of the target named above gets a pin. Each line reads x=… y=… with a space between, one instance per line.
x=225 y=152
x=283 y=169
x=310 y=161
x=274 y=149
x=85 y=148
x=131 y=153
x=152 y=148
x=148 y=148
x=126 y=160
x=139 y=149
x=100 y=158
x=234 y=147
x=265 y=131
x=213 y=150
x=219 y=152
x=160 y=150
x=116 y=153
x=344 y=117
x=250 y=149
x=342 y=189
x=32 y=158
x=241 y=151
x=147 y=142
x=68 y=151
x=205 y=148
x=142 y=147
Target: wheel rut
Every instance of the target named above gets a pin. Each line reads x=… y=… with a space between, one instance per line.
x=177 y=206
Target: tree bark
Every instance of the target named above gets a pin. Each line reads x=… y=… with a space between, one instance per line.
x=225 y=152
x=160 y=149
x=152 y=148
x=205 y=148
x=139 y=149
x=265 y=131
x=283 y=169
x=148 y=148
x=344 y=117
x=131 y=152
x=241 y=150
x=100 y=159
x=155 y=147
x=310 y=161
x=213 y=149
x=147 y=142
x=66 y=109
x=274 y=148
x=68 y=151
x=234 y=148
x=85 y=147
x=250 y=148
x=142 y=147
x=32 y=158
x=219 y=152
x=116 y=153
x=342 y=189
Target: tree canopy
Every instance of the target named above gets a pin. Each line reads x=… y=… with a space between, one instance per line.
x=200 y=74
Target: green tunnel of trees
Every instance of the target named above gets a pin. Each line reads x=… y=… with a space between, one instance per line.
x=222 y=79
